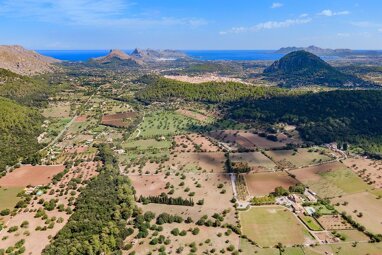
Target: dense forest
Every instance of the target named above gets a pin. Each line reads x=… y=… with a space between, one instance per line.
x=344 y=115
x=30 y=91
x=19 y=128
x=98 y=225
x=162 y=89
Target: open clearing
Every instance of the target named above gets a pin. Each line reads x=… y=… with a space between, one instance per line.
x=57 y=110
x=299 y=158
x=30 y=175
x=272 y=224
x=256 y=160
x=330 y=180
x=261 y=184
x=8 y=197
x=194 y=115
x=365 y=203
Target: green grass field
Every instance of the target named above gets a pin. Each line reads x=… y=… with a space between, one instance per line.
x=8 y=197
x=311 y=223
x=146 y=144
x=338 y=182
x=164 y=123
x=269 y=225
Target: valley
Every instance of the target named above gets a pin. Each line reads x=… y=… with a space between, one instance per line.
x=121 y=157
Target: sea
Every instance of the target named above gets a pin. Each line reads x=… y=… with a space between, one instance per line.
x=233 y=55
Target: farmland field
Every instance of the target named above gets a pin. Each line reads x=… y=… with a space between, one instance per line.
x=256 y=160
x=369 y=170
x=330 y=180
x=261 y=184
x=269 y=225
x=365 y=203
x=146 y=144
x=8 y=197
x=164 y=123
x=209 y=162
x=346 y=249
x=30 y=175
x=195 y=186
x=299 y=158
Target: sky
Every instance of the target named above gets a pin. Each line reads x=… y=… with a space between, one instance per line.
x=191 y=24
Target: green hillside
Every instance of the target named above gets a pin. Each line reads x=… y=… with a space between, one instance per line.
x=343 y=115
x=22 y=89
x=19 y=127
x=301 y=68
x=162 y=89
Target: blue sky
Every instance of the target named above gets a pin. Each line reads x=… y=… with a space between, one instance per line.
x=191 y=24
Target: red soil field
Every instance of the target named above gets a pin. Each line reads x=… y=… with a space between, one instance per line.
x=116 y=120
x=261 y=184
x=30 y=175
x=81 y=118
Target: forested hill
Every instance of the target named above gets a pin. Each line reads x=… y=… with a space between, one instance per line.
x=19 y=128
x=163 y=89
x=301 y=68
x=344 y=115
x=25 y=90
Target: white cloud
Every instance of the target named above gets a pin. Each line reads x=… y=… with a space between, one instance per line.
x=304 y=15
x=330 y=13
x=366 y=24
x=380 y=30
x=343 y=34
x=276 y=5
x=88 y=13
x=268 y=25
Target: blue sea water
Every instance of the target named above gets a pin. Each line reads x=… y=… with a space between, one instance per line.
x=84 y=55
